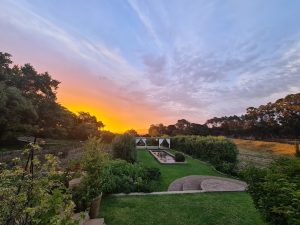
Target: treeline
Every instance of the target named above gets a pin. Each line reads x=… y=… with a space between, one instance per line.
x=28 y=106
x=280 y=119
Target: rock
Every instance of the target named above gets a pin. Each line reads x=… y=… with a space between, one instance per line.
x=75 y=182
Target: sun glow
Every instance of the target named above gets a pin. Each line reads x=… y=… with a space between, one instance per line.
x=111 y=119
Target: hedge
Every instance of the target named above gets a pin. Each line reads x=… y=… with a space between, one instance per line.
x=219 y=151
x=276 y=191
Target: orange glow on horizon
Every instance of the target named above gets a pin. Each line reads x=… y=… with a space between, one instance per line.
x=114 y=120
x=110 y=121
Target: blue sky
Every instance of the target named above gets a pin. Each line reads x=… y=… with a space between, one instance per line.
x=158 y=61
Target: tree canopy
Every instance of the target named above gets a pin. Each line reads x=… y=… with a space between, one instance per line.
x=28 y=106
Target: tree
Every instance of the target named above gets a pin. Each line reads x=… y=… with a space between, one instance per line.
x=171 y=130
x=132 y=132
x=28 y=106
x=107 y=136
x=182 y=125
x=157 y=130
x=18 y=115
x=123 y=147
x=5 y=61
x=86 y=125
x=153 y=131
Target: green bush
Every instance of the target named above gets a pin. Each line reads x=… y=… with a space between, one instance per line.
x=37 y=197
x=123 y=147
x=93 y=161
x=110 y=176
x=275 y=191
x=179 y=157
x=120 y=176
x=219 y=151
x=152 y=173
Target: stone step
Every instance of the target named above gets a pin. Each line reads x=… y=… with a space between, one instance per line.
x=82 y=221
x=189 y=186
x=99 y=221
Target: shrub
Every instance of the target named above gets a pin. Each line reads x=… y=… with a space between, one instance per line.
x=219 y=151
x=35 y=198
x=275 y=191
x=93 y=161
x=179 y=157
x=152 y=141
x=121 y=176
x=123 y=147
x=152 y=173
x=110 y=176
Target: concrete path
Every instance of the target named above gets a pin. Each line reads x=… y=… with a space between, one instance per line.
x=207 y=184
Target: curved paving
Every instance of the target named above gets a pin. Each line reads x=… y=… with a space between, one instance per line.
x=207 y=183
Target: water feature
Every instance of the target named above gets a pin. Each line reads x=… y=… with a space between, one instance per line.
x=164 y=157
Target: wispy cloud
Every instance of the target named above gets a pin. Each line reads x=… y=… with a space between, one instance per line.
x=97 y=54
x=207 y=60
x=146 y=22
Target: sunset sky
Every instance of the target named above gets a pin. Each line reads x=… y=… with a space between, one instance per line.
x=135 y=63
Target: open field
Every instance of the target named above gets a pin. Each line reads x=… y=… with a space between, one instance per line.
x=66 y=149
x=197 y=209
x=261 y=153
x=265 y=147
x=45 y=143
x=171 y=172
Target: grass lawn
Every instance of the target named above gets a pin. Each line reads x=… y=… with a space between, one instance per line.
x=230 y=208
x=171 y=172
x=187 y=209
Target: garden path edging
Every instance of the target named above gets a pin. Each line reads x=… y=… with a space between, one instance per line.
x=166 y=193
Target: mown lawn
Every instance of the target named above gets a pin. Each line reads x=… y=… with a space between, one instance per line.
x=171 y=172
x=186 y=209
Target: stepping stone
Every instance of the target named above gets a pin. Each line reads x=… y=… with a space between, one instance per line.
x=99 y=221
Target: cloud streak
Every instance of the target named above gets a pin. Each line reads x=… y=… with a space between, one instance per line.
x=195 y=60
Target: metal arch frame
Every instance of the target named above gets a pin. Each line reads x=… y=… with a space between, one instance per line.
x=144 y=140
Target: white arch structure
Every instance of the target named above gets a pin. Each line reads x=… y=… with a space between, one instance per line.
x=159 y=146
